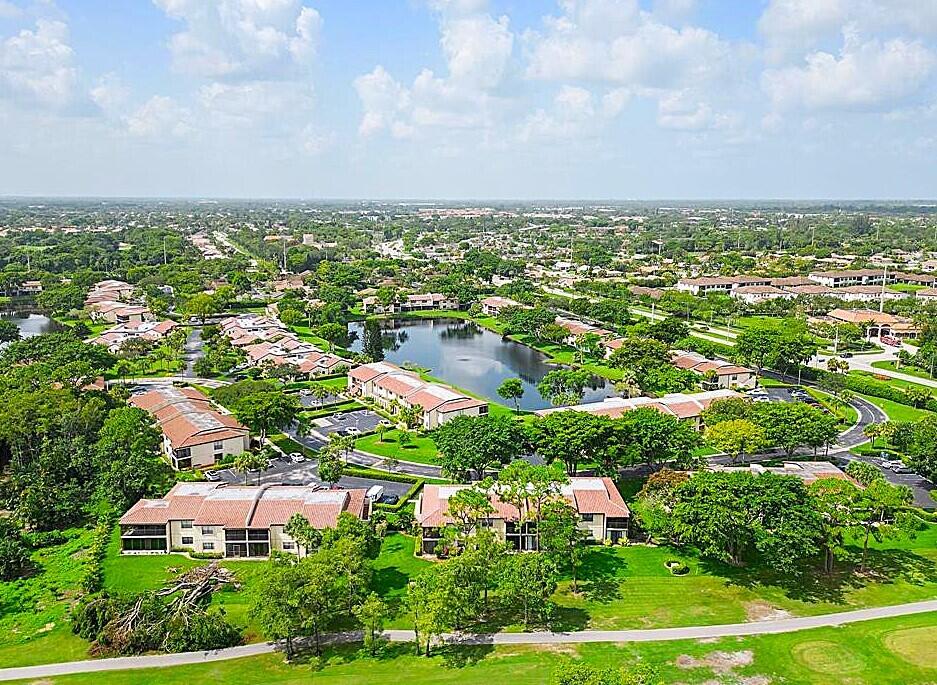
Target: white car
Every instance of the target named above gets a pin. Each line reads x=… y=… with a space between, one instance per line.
x=351 y=430
x=375 y=492
x=296 y=457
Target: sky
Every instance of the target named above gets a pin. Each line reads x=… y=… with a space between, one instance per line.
x=469 y=99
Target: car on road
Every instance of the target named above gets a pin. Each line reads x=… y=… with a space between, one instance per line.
x=296 y=457
x=846 y=355
x=212 y=476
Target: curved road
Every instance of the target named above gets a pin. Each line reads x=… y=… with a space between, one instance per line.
x=785 y=625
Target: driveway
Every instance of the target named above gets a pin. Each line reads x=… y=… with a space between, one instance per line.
x=193 y=352
x=307 y=473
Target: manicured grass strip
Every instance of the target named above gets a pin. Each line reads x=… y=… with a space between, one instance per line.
x=846 y=412
x=906 y=369
x=896 y=411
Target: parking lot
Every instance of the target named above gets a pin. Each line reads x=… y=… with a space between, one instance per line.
x=353 y=422
x=310 y=401
x=306 y=472
x=784 y=395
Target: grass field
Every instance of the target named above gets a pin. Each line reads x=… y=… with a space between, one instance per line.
x=620 y=587
x=884 y=652
x=421 y=448
x=896 y=411
x=906 y=369
x=895 y=382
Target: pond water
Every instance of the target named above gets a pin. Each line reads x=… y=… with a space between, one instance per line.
x=31 y=324
x=468 y=356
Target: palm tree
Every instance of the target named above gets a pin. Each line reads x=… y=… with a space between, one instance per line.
x=872 y=431
x=248 y=461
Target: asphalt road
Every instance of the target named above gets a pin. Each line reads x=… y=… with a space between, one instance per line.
x=193 y=352
x=786 y=625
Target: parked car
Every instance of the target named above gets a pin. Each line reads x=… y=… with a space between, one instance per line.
x=352 y=430
x=212 y=476
x=389 y=499
x=901 y=467
x=296 y=457
x=375 y=492
x=846 y=355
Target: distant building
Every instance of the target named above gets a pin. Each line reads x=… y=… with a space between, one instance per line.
x=232 y=520
x=807 y=471
x=388 y=384
x=493 y=306
x=724 y=374
x=877 y=324
x=685 y=407
x=844 y=278
x=753 y=294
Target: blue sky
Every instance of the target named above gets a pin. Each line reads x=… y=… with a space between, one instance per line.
x=469 y=99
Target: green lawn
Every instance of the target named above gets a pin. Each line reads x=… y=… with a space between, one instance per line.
x=894 y=382
x=897 y=411
x=336 y=384
x=906 y=369
x=896 y=651
x=847 y=413
x=421 y=448
x=34 y=626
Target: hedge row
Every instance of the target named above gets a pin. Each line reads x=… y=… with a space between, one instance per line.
x=867 y=385
x=92 y=579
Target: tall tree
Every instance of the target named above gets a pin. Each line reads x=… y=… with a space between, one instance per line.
x=475 y=444
x=512 y=389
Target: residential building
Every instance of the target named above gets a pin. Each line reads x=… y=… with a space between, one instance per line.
x=493 y=306
x=603 y=514
x=429 y=301
x=371 y=305
x=232 y=520
x=722 y=374
x=815 y=290
x=195 y=434
x=844 y=278
x=390 y=386
x=118 y=312
x=927 y=294
x=109 y=290
x=807 y=471
x=685 y=407
x=151 y=331
x=753 y=294
x=718 y=284
x=868 y=293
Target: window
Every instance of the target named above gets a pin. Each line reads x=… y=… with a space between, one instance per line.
x=586 y=517
x=186 y=524
x=219 y=445
x=186 y=540
x=208 y=530
x=287 y=545
x=208 y=546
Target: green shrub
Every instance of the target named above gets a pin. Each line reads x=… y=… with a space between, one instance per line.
x=92 y=579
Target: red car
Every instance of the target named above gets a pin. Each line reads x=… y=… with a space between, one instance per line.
x=888 y=340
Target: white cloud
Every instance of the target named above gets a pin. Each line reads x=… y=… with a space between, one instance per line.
x=575 y=114
x=674 y=10
x=36 y=65
x=865 y=74
x=160 y=117
x=109 y=93
x=246 y=39
x=9 y=11
x=616 y=42
x=477 y=49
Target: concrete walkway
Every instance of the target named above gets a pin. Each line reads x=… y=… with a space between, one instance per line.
x=786 y=625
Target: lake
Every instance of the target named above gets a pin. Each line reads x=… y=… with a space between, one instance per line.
x=468 y=356
x=31 y=324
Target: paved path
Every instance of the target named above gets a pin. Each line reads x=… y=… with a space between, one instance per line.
x=786 y=625
x=193 y=352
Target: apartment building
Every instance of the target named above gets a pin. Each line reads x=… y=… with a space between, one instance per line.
x=232 y=520
x=151 y=331
x=493 y=306
x=603 y=514
x=723 y=374
x=704 y=285
x=848 y=277
x=195 y=434
x=389 y=386
x=685 y=407
x=753 y=294
x=877 y=324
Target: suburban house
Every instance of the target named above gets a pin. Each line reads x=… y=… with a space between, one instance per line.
x=388 y=384
x=109 y=290
x=151 y=331
x=429 y=301
x=493 y=306
x=686 y=407
x=877 y=324
x=195 y=434
x=118 y=312
x=372 y=305
x=577 y=328
x=603 y=513
x=723 y=374
x=232 y=520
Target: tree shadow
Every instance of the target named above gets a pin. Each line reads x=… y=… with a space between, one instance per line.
x=568 y=619
x=388 y=579
x=807 y=583
x=456 y=655
x=601 y=576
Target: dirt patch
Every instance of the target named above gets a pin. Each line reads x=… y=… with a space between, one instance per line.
x=568 y=650
x=46 y=628
x=914 y=645
x=762 y=611
x=721 y=663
